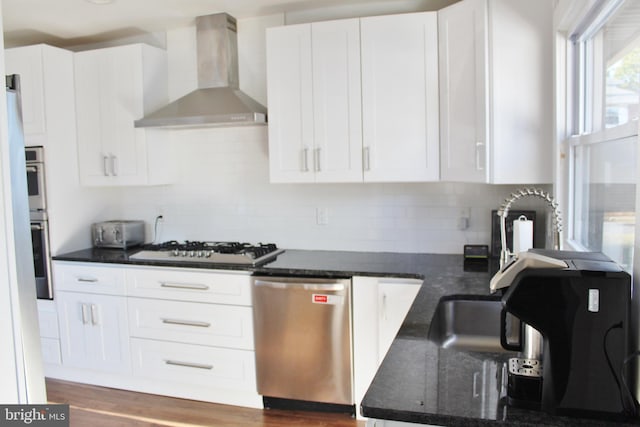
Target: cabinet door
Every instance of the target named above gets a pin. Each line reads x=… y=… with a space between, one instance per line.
x=463 y=98
x=113 y=86
x=400 y=97
x=394 y=301
x=93 y=331
x=379 y=308
x=289 y=86
x=94 y=154
x=337 y=101
x=521 y=91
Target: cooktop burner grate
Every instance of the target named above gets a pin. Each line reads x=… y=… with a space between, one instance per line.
x=213 y=252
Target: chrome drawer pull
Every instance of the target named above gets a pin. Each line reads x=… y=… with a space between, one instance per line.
x=188 y=364
x=186 y=323
x=184 y=286
x=83 y=280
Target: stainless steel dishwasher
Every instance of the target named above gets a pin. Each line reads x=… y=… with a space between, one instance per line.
x=302 y=329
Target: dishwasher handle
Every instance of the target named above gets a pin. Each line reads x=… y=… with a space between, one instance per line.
x=321 y=287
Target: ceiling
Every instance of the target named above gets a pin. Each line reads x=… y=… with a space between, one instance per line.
x=66 y=23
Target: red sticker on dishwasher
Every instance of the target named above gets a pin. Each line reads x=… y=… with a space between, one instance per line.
x=320 y=299
x=326 y=299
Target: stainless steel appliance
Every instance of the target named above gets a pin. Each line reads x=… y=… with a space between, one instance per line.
x=41 y=255
x=117 y=234
x=25 y=336
x=34 y=157
x=36 y=189
x=302 y=330
x=218 y=99
x=212 y=252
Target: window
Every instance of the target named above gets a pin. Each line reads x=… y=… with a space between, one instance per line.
x=605 y=77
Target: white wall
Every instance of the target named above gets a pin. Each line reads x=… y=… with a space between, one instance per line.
x=223 y=193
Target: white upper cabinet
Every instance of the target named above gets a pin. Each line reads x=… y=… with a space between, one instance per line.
x=496 y=91
x=46 y=79
x=400 y=97
x=114 y=87
x=336 y=118
x=315 y=132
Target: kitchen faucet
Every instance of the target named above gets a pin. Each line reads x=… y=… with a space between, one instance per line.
x=505 y=254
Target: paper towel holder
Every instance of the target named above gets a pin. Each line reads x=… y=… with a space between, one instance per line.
x=505 y=254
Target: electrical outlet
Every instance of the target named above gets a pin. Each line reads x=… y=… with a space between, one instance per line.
x=160 y=215
x=322 y=216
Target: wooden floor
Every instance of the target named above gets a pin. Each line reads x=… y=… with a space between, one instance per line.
x=104 y=407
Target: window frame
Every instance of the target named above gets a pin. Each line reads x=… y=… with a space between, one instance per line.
x=577 y=24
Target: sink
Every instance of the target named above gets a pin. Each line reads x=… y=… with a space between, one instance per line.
x=468 y=323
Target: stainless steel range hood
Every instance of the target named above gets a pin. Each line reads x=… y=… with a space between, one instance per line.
x=218 y=100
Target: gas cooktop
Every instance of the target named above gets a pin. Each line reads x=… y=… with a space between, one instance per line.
x=212 y=252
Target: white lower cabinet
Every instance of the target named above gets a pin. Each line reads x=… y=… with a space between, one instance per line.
x=49 y=332
x=192 y=330
x=380 y=305
x=213 y=367
x=179 y=332
x=189 y=322
x=93 y=331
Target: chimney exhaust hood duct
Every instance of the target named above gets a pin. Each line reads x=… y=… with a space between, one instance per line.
x=218 y=100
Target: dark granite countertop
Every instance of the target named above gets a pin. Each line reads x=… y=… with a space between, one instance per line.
x=290 y=262
x=417 y=381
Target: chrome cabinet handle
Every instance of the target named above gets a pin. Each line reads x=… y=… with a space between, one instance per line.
x=305 y=159
x=188 y=364
x=84 y=280
x=366 y=158
x=114 y=165
x=85 y=314
x=36 y=227
x=186 y=323
x=479 y=155
x=105 y=166
x=316 y=160
x=384 y=306
x=94 y=314
x=475 y=384
x=184 y=286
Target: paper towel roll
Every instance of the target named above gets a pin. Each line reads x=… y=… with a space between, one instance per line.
x=522 y=234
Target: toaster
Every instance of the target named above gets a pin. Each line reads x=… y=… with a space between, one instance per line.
x=117 y=234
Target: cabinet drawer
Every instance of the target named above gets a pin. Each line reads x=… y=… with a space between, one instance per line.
x=194 y=365
x=190 y=285
x=90 y=278
x=189 y=322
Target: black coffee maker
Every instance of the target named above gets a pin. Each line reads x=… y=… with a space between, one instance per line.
x=582 y=311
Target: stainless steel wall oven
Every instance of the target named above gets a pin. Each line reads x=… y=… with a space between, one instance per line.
x=39 y=221
x=35 y=179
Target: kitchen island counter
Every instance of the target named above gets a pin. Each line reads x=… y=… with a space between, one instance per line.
x=417 y=382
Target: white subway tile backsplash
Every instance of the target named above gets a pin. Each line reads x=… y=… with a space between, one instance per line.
x=223 y=193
